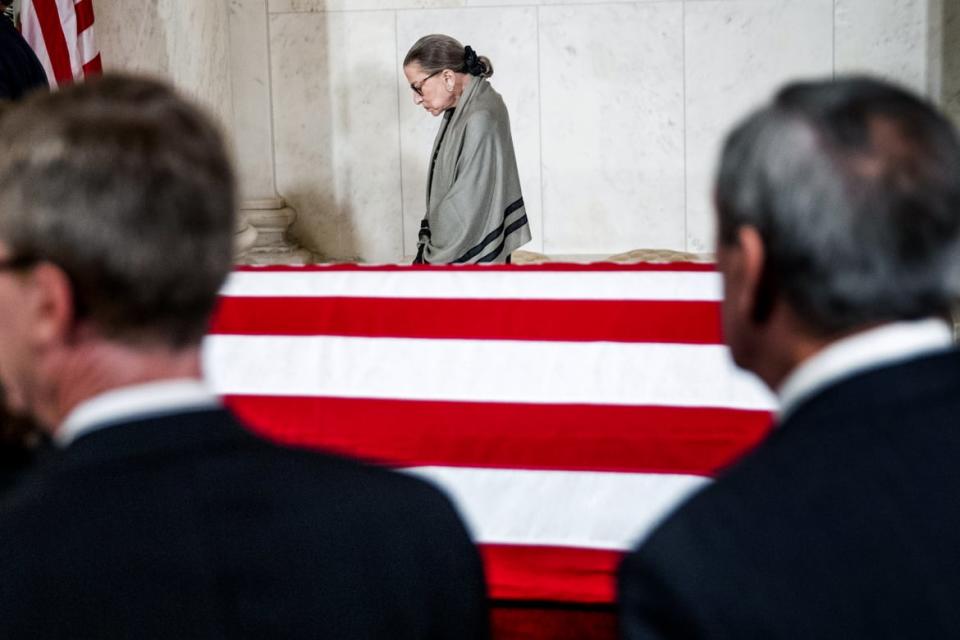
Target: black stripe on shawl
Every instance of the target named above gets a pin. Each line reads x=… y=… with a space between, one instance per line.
x=490 y=257
x=493 y=235
x=516 y=205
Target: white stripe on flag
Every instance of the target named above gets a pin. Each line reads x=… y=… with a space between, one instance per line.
x=482 y=371
x=560 y=508
x=513 y=285
x=68 y=21
x=33 y=34
x=42 y=54
x=86 y=47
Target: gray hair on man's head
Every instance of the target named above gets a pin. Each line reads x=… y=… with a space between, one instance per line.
x=854 y=186
x=127 y=187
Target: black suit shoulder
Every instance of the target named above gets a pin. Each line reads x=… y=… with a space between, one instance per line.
x=841 y=524
x=20 y=70
x=187 y=526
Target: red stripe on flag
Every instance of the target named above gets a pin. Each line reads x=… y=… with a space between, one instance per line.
x=54 y=39
x=84 y=10
x=552 y=623
x=562 y=574
x=689 y=322
x=682 y=440
x=550 y=266
x=93 y=68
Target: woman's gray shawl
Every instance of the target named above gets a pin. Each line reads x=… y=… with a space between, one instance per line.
x=475 y=209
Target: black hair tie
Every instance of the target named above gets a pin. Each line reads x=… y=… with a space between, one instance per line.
x=472 y=63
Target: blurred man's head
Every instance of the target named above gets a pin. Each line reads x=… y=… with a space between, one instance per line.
x=838 y=210
x=116 y=221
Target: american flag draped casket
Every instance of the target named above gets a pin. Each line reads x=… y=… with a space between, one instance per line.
x=564 y=408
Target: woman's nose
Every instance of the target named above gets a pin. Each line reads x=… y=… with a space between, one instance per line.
x=417 y=98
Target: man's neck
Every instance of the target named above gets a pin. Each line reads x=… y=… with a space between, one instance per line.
x=780 y=346
x=99 y=366
x=871 y=347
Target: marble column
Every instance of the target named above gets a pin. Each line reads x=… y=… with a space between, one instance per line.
x=944 y=54
x=198 y=43
x=260 y=204
x=950 y=56
x=184 y=41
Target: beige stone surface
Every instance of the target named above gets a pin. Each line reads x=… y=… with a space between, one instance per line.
x=317 y=6
x=522 y=257
x=951 y=59
x=660 y=255
x=887 y=38
x=737 y=53
x=251 y=97
x=612 y=105
x=337 y=131
x=185 y=41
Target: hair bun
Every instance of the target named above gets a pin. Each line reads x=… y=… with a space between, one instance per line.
x=472 y=63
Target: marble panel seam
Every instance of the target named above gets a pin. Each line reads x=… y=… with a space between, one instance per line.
x=833 y=40
x=683 y=91
x=543 y=210
x=396 y=54
x=270 y=104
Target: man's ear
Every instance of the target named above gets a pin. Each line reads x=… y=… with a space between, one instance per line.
x=52 y=304
x=758 y=291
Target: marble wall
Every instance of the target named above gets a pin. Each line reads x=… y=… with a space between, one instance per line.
x=617 y=108
x=183 y=40
x=950 y=70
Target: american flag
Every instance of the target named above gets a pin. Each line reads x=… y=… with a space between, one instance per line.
x=61 y=34
x=565 y=408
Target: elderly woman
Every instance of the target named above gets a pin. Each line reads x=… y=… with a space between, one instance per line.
x=475 y=209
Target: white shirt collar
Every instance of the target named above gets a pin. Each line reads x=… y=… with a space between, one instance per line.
x=125 y=403
x=865 y=350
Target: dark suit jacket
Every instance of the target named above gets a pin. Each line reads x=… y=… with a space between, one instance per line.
x=20 y=70
x=16 y=459
x=844 y=523
x=186 y=526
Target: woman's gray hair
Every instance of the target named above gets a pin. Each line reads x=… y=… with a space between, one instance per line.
x=437 y=52
x=854 y=186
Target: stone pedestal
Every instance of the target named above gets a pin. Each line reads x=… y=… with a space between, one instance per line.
x=244 y=237
x=271 y=218
x=260 y=206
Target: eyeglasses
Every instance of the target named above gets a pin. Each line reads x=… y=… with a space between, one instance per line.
x=17 y=263
x=418 y=86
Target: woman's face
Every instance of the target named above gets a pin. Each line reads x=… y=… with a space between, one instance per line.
x=430 y=91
